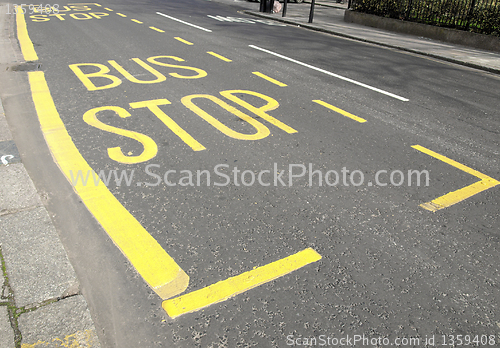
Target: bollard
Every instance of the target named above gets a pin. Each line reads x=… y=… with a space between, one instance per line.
x=284 y=8
x=311 y=14
x=266 y=6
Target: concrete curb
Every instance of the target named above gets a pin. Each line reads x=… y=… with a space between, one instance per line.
x=357 y=38
x=40 y=300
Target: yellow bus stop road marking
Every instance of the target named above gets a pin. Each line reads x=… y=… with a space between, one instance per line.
x=25 y=42
x=85 y=3
x=219 y=56
x=270 y=79
x=158 y=30
x=157 y=268
x=183 y=41
x=233 y=286
x=454 y=197
x=340 y=111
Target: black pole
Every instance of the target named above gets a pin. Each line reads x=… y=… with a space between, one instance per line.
x=269 y=6
x=284 y=8
x=262 y=5
x=311 y=14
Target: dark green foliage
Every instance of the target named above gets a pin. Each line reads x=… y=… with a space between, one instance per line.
x=487 y=22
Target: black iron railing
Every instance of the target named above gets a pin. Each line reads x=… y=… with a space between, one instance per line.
x=480 y=16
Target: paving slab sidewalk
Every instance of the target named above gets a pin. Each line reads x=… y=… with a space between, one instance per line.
x=40 y=300
x=329 y=18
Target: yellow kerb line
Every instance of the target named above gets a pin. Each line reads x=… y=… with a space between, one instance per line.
x=87 y=338
x=270 y=79
x=461 y=194
x=219 y=56
x=157 y=268
x=183 y=41
x=233 y=286
x=158 y=30
x=25 y=42
x=137 y=21
x=340 y=111
x=121 y=15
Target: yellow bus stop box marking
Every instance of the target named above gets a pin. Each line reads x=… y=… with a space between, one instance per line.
x=25 y=42
x=233 y=286
x=157 y=268
x=461 y=194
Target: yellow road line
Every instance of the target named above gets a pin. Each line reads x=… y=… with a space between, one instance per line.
x=183 y=41
x=85 y=3
x=106 y=8
x=461 y=194
x=87 y=338
x=340 y=111
x=219 y=56
x=25 y=42
x=158 y=30
x=157 y=268
x=270 y=79
x=121 y=15
x=137 y=21
x=233 y=286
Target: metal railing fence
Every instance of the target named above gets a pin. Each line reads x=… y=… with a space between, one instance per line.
x=480 y=16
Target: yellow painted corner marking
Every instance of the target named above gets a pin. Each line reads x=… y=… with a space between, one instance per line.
x=233 y=286
x=137 y=21
x=108 y=9
x=461 y=194
x=340 y=111
x=270 y=79
x=27 y=47
x=121 y=14
x=158 y=30
x=219 y=56
x=157 y=268
x=183 y=41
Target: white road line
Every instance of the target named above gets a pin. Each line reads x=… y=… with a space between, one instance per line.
x=178 y=20
x=331 y=74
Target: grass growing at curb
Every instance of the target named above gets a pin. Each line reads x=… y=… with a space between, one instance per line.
x=7 y=299
x=11 y=304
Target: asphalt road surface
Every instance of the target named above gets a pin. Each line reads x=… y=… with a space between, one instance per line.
x=280 y=187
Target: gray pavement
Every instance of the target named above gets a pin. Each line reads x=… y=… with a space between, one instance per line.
x=40 y=300
x=329 y=18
